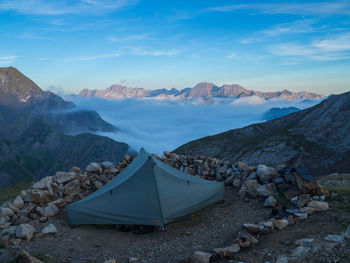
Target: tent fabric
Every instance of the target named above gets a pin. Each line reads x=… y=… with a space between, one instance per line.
x=147 y=192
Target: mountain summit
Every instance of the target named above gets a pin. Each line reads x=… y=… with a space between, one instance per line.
x=201 y=90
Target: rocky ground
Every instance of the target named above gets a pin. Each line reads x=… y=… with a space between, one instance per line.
x=252 y=225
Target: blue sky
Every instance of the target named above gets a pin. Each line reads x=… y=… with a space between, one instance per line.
x=66 y=45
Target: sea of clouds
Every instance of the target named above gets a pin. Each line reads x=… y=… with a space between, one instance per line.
x=159 y=125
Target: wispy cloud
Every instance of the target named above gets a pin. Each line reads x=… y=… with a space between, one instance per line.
x=7 y=60
x=336 y=47
x=320 y=8
x=145 y=52
x=130 y=38
x=89 y=58
x=47 y=7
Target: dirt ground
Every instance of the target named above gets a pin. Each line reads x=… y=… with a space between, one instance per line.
x=209 y=228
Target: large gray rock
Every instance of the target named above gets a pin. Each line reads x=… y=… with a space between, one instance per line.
x=18 y=202
x=201 y=257
x=63 y=177
x=266 y=190
x=25 y=231
x=265 y=174
x=49 y=211
x=6 y=211
x=40 y=196
x=318 y=205
x=72 y=188
x=44 y=183
x=94 y=168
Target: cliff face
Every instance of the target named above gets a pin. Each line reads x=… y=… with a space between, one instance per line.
x=317 y=138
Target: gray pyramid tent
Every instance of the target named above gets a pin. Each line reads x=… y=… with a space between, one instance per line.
x=147 y=192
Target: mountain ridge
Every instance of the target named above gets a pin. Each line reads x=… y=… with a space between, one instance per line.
x=316 y=137
x=201 y=90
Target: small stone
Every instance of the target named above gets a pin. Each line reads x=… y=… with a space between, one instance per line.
x=280 y=224
x=318 y=205
x=98 y=184
x=72 y=188
x=291 y=220
x=43 y=219
x=94 y=168
x=44 y=183
x=308 y=210
x=300 y=251
x=49 y=211
x=303 y=200
x=63 y=177
x=227 y=252
x=302 y=216
x=201 y=257
x=6 y=211
x=265 y=174
x=267 y=190
x=335 y=238
x=107 y=164
x=50 y=229
x=270 y=202
x=252 y=228
x=18 y=202
x=25 y=231
x=237 y=183
x=306 y=242
x=110 y=261
x=243 y=242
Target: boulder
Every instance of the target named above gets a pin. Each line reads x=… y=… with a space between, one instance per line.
x=265 y=174
x=49 y=211
x=44 y=183
x=267 y=190
x=18 y=202
x=94 y=168
x=270 y=202
x=252 y=228
x=63 y=177
x=25 y=231
x=107 y=164
x=280 y=224
x=5 y=211
x=50 y=229
x=201 y=257
x=40 y=196
x=72 y=188
x=318 y=205
x=227 y=252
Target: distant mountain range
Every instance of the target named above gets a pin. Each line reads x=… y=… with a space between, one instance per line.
x=201 y=90
x=317 y=137
x=33 y=124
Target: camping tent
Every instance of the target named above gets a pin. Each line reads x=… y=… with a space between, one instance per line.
x=147 y=192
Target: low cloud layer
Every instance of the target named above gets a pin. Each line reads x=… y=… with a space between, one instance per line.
x=159 y=125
